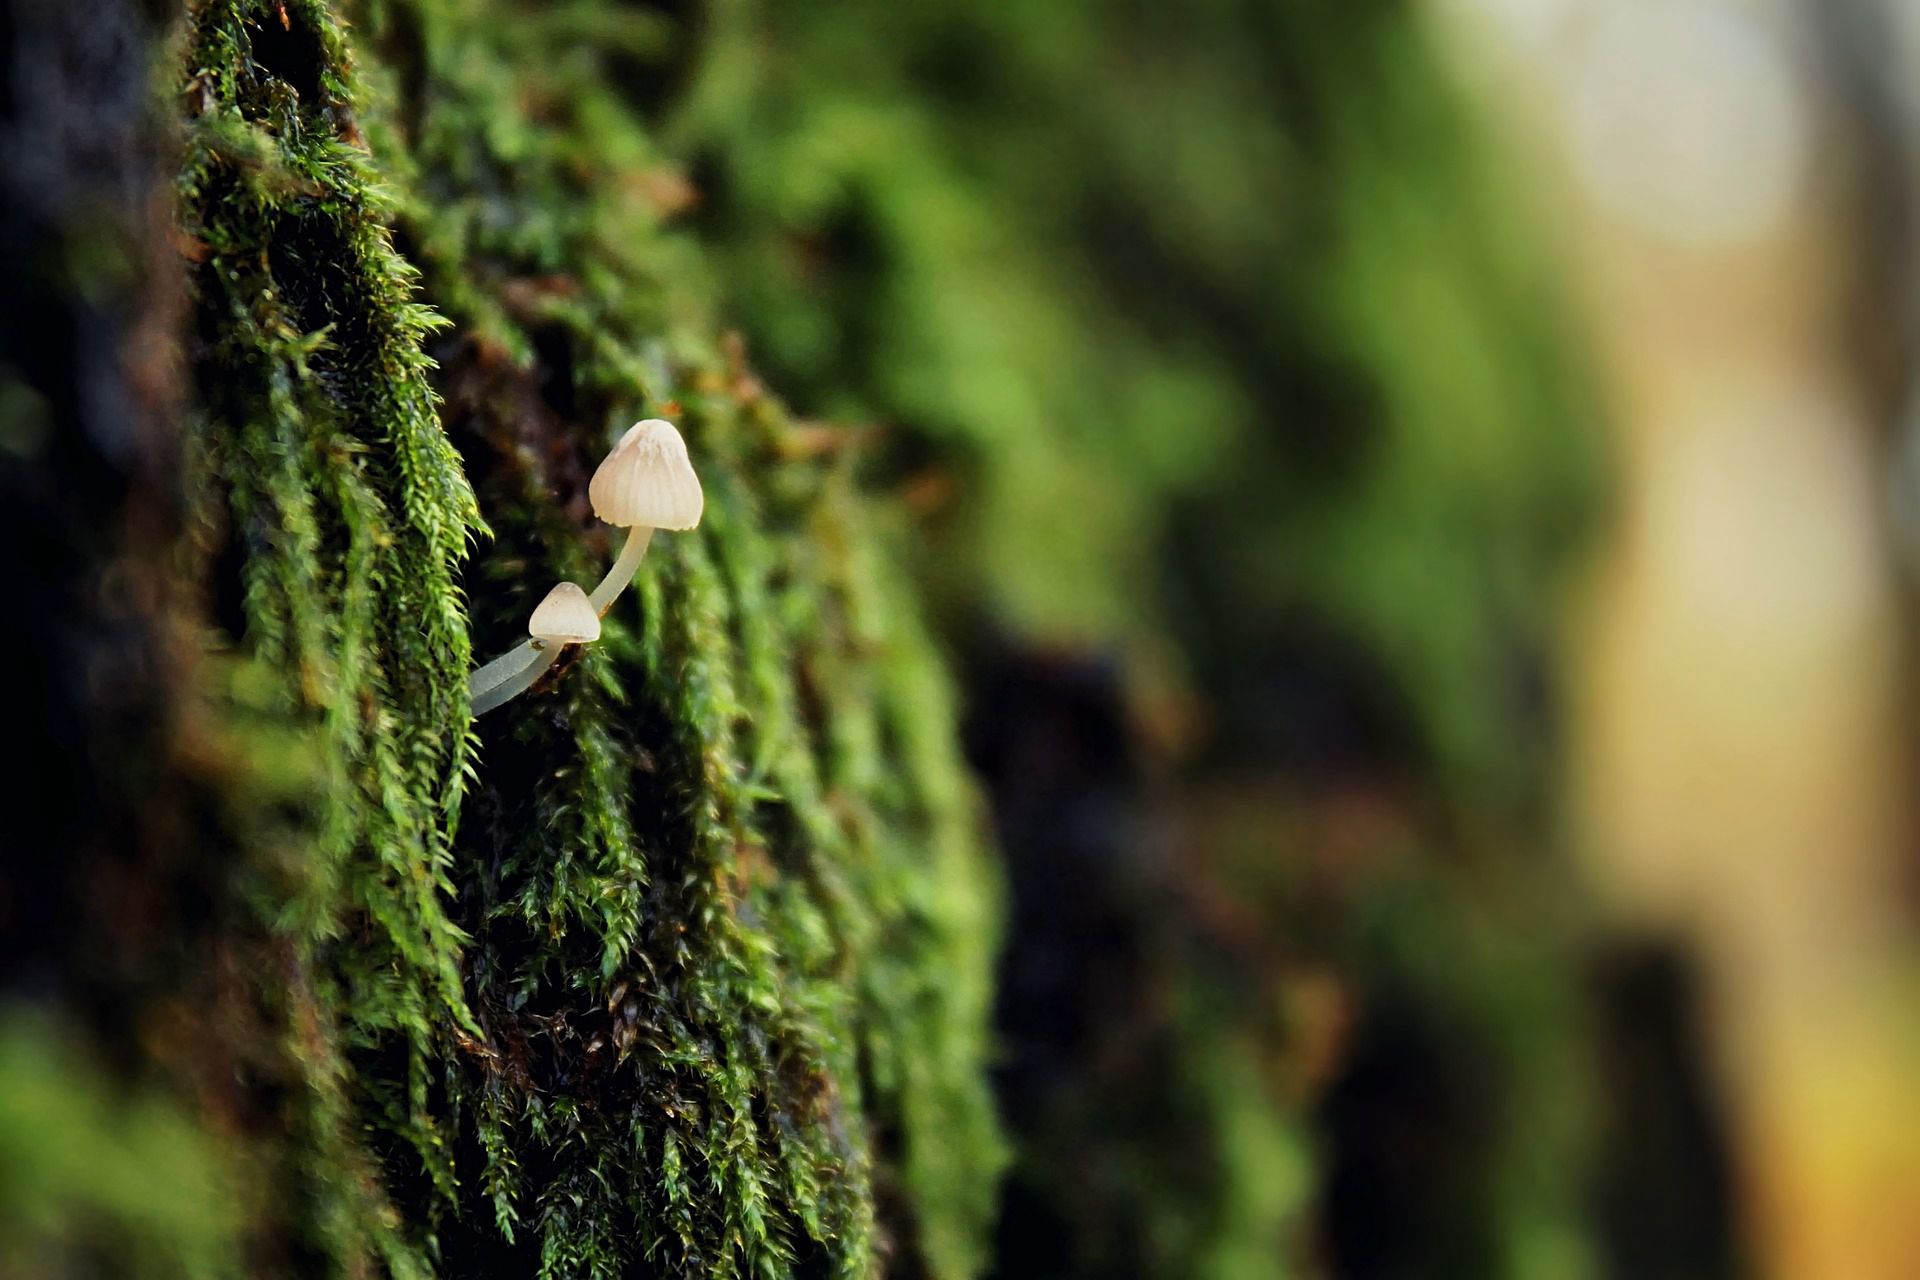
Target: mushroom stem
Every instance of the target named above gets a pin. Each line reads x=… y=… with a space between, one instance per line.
x=623 y=569
x=516 y=670
x=505 y=667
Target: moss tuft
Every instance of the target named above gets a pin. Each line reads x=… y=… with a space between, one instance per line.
x=699 y=979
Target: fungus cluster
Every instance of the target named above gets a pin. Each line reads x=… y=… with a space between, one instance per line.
x=645 y=483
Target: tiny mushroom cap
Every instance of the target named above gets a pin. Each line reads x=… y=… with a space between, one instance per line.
x=566 y=616
x=647 y=482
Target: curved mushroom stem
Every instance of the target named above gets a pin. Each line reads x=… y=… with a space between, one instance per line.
x=505 y=667
x=533 y=657
x=622 y=572
x=515 y=671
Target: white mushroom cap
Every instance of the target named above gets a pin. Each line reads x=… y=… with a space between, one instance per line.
x=647 y=481
x=566 y=616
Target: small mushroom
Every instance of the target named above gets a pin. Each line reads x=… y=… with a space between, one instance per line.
x=646 y=483
x=565 y=617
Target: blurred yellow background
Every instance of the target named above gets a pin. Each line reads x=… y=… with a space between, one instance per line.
x=1732 y=185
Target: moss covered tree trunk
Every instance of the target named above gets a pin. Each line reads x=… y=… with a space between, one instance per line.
x=677 y=965
x=1182 y=364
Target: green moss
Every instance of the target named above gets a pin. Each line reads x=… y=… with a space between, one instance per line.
x=85 y=1165
x=698 y=979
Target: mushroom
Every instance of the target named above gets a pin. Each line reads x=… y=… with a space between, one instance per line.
x=565 y=617
x=646 y=483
